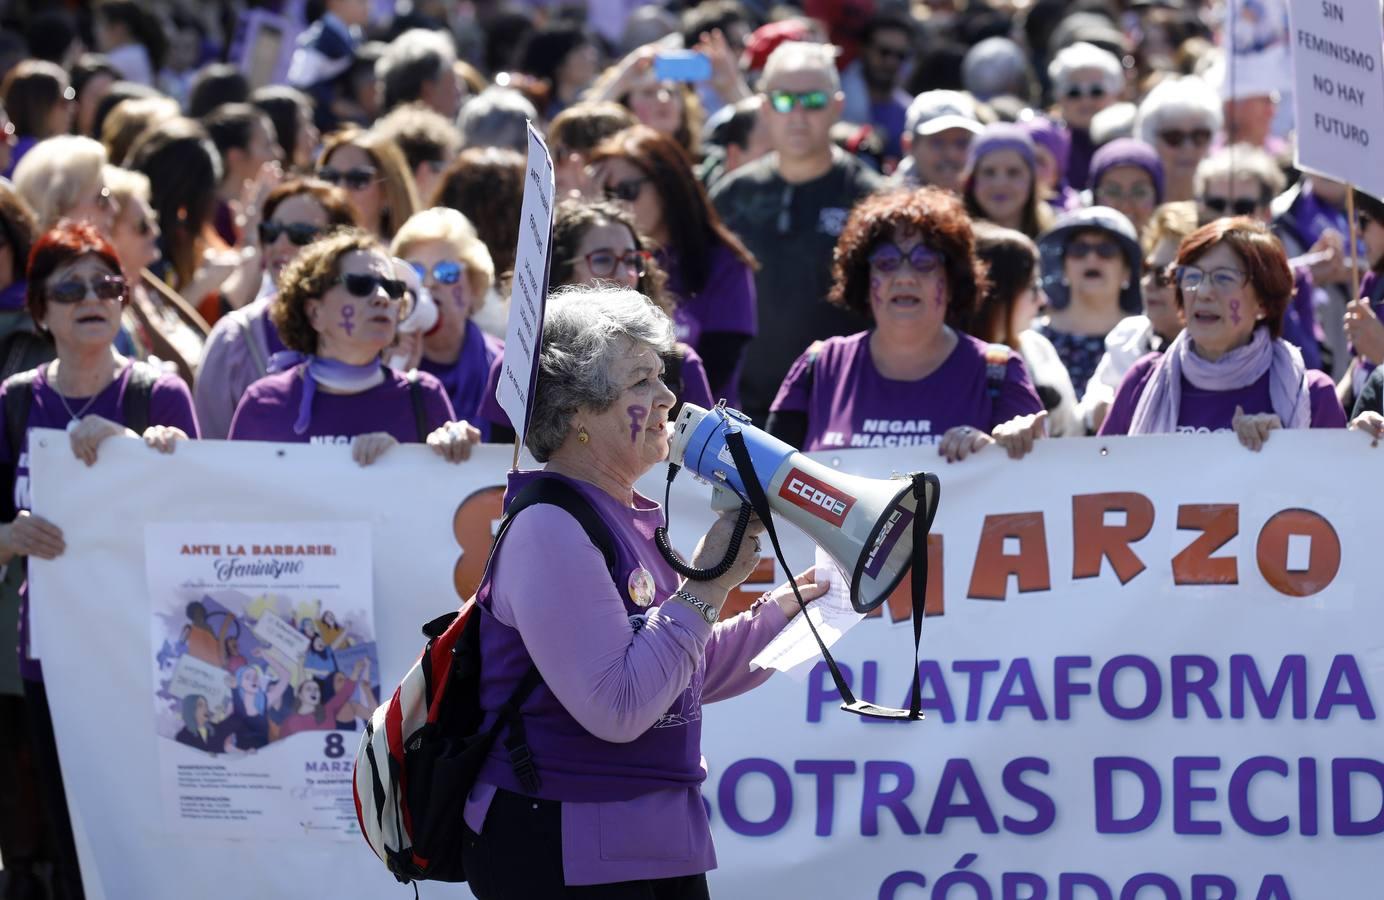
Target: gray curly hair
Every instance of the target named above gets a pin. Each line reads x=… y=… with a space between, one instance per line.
x=584 y=328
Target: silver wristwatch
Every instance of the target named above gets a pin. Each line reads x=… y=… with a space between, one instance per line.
x=707 y=611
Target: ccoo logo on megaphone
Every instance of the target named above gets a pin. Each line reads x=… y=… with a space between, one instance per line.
x=865 y=524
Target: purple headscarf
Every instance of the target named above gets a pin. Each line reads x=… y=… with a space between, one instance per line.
x=1128 y=152
x=1053 y=138
x=1001 y=136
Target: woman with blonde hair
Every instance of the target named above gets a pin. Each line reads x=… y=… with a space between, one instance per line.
x=454 y=265
x=156 y=322
x=63 y=178
x=374 y=172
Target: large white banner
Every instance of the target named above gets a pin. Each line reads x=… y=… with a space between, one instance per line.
x=1153 y=671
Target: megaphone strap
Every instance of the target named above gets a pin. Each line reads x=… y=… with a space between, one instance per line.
x=735 y=442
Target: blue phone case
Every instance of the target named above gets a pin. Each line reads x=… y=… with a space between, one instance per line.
x=683 y=65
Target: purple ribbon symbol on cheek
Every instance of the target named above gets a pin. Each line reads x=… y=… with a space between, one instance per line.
x=637 y=416
x=348 y=315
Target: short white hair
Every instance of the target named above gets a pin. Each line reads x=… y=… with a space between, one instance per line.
x=54 y=174
x=414 y=57
x=1177 y=98
x=800 y=56
x=497 y=117
x=1079 y=57
x=1240 y=161
x=583 y=329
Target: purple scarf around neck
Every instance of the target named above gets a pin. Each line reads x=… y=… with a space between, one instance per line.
x=1158 y=409
x=333 y=373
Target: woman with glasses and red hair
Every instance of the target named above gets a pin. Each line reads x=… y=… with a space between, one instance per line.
x=339 y=306
x=906 y=262
x=75 y=295
x=710 y=272
x=1229 y=369
x=596 y=243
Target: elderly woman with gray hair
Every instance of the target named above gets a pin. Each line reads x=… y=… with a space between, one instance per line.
x=1085 y=80
x=627 y=654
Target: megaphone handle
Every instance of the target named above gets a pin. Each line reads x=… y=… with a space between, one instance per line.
x=754 y=491
x=676 y=562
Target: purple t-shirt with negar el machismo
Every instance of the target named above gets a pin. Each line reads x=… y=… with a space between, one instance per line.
x=1202 y=411
x=850 y=404
x=270 y=407
x=170 y=403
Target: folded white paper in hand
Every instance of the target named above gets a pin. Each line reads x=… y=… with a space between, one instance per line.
x=793 y=650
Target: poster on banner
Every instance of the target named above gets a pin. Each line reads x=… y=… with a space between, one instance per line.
x=1338 y=77
x=1153 y=667
x=529 y=295
x=264 y=665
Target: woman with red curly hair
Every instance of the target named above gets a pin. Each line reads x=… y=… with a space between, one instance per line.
x=1229 y=369
x=906 y=261
x=75 y=295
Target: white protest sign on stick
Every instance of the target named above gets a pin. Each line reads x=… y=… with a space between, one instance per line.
x=529 y=294
x=1339 y=89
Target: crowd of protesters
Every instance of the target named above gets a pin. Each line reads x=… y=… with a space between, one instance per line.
x=938 y=224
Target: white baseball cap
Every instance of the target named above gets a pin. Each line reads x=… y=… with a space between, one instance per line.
x=933 y=112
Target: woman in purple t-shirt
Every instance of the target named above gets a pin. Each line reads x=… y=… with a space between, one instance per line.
x=628 y=653
x=710 y=272
x=906 y=261
x=596 y=243
x=337 y=309
x=1229 y=369
x=75 y=294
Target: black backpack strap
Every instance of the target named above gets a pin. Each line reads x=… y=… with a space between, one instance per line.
x=555 y=492
x=138 y=391
x=420 y=413
x=19 y=398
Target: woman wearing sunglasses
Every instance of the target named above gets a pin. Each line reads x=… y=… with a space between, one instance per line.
x=75 y=294
x=906 y=262
x=710 y=273
x=1135 y=337
x=1229 y=369
x=451 y=262
x=240 y=345
x=1085 y=80
x=1091 y=267
x=594 y=244
x=1180 y=118
x=338 y=306
x=157 y=322
x=374 y=173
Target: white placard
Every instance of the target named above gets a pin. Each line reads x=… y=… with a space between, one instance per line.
x=1168 y=708
x=529 y=293
x=1339 y=90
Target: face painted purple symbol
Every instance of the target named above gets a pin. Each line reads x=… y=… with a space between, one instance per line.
x=637 y=416
x=348 y=315
x=1235 y=312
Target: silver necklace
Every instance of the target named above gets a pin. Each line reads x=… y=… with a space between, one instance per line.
x=74 y=416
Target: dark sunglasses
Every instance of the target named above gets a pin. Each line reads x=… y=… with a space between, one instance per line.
x=627 y=191
x=1240 y=206
x=1077 y=91
x=357 y=179
x=299 y=233
x=922 y=259
x=446 y=272
x=1160 y=278
x=143 y=227
x=1364 y=220
x=784 y=101
x=74 y=290
x=1103 y=249
x=365 y=285
x=604 y=262
x=1199 y=137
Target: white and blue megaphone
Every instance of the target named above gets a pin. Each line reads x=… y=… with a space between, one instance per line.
x=865 y=524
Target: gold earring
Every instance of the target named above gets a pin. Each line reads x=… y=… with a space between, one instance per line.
x=582 y=436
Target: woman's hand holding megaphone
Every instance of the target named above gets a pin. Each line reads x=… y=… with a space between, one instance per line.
x=711 y=549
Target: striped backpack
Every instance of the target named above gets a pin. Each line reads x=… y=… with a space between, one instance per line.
x=421 y=751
